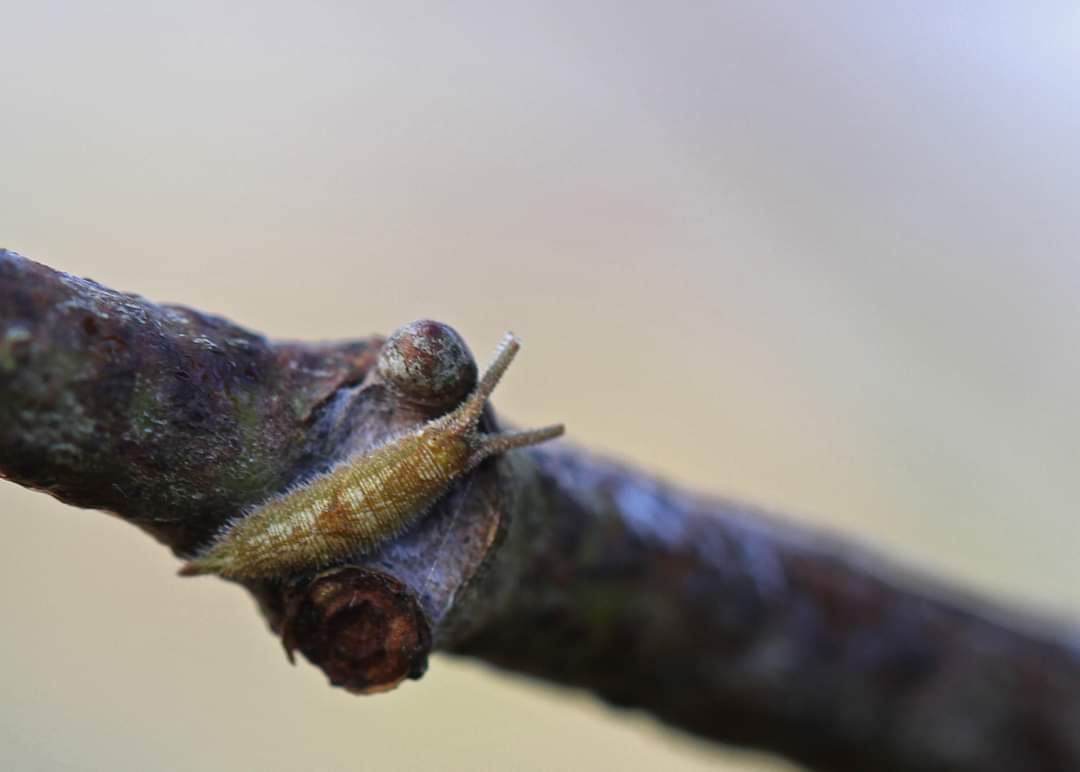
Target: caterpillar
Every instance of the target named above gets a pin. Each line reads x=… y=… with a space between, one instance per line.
x=367 y=499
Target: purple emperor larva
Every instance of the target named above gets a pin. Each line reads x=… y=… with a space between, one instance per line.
x=368 y=499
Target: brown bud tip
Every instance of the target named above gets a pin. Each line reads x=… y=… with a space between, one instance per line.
x=362 y=628
x=427 y=363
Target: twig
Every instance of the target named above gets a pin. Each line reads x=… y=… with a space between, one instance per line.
x=719 y=620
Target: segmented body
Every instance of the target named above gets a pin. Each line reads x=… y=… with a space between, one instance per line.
x=367 y=500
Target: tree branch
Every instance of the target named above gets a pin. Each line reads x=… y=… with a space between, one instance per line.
x=714 y=618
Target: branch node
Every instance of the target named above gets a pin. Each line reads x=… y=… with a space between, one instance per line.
x=360 y=627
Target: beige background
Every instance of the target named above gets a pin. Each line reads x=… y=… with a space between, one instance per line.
x=821 y=256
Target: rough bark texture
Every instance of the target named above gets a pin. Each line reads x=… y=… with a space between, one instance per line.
x=714 y=618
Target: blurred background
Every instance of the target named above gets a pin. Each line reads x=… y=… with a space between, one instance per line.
x=824 y=257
